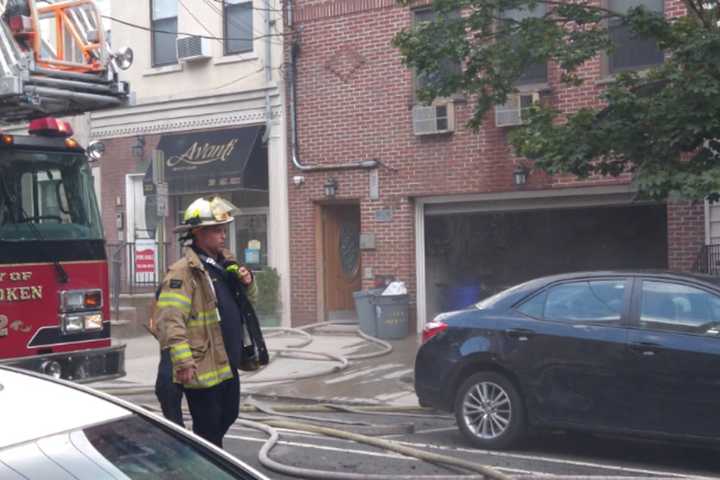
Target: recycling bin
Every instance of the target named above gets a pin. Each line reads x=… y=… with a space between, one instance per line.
x=366 y=311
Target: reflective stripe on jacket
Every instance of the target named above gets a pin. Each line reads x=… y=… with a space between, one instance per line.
x=188 y=323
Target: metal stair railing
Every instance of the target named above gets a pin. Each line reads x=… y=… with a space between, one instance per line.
x=708 y=260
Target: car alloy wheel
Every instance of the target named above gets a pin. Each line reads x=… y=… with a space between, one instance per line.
x=489 y=411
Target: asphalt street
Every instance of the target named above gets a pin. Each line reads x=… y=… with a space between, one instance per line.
x=386 y=381
x=557 y=454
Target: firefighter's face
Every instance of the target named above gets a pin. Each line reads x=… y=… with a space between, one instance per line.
x=211 y=239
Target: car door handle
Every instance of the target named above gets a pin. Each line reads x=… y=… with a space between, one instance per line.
x=522 y=334
x=646 y=349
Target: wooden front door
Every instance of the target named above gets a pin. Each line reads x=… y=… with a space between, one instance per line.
x=341 y=255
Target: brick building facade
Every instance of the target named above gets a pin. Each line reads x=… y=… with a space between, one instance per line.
x=354 y=103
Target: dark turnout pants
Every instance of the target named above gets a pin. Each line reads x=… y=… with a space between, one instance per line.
x=169 y=394
x=214 y=409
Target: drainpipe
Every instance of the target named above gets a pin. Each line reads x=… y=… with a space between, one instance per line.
x=361 y=165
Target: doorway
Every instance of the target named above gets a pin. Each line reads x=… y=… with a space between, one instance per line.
x=341 y=259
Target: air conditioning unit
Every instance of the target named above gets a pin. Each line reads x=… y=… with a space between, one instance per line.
x=513 y=112
x=190 y=49
x=433 y=119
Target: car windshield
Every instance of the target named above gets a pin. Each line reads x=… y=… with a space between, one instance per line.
x=493 y=300
x=47 y=196
x=127 y=448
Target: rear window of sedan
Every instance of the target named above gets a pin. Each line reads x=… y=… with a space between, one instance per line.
x=494 y=300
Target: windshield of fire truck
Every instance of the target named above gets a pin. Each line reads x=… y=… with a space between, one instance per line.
x=47 y=196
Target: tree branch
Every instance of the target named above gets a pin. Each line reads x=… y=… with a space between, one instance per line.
x=699 y=11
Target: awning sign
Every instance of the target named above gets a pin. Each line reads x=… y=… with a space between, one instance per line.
x=216 y=160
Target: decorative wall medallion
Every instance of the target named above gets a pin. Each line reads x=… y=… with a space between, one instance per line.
x=345 y=63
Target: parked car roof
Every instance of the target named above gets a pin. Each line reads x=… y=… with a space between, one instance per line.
x=507 y=297
x=698 y=277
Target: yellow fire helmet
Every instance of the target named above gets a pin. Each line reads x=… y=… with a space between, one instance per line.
x=205 y=212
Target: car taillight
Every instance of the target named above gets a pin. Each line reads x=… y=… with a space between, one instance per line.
x=433 y=328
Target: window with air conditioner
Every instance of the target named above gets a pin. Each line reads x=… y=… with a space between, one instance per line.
x=514 y=111
x=433 y=119
x=163 y=23
x=193 y=48
x=237 y=26
x=440 y=116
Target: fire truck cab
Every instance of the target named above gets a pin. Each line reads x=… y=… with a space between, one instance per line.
x=54 y=292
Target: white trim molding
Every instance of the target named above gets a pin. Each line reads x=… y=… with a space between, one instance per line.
x=421 y=300
x=161 y=115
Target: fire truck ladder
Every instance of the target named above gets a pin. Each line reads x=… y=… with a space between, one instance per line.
x=55 y=61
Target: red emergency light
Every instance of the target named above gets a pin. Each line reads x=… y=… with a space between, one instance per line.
x=50 y=127
x=20 y=24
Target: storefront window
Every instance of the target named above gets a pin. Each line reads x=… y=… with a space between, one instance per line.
x=251 y=239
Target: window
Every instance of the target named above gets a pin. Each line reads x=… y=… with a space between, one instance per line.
x=680 y=308
x=447 y=66
x=537 y=72
x=47 y=196
x=238 y=26
x=632 y=52
x=138 y=449
x=534 y=307
x=591 y=301
x=163 y=18
x=251 y=237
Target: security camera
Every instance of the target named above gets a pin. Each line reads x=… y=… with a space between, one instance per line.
x=298 y=180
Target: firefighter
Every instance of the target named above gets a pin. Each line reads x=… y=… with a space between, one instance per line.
x=205 y=322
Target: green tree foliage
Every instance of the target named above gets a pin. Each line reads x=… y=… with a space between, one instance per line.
x=661 y=124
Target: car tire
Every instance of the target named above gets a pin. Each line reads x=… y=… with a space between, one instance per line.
x=489 y=411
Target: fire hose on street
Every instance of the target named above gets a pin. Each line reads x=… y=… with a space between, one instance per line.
x=292 y=351
x=289 y=416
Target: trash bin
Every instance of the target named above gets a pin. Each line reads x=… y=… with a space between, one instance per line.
x=459 y=298
x=391 y=314
x=366 y=311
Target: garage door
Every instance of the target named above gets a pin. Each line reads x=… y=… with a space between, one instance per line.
x=472 y=255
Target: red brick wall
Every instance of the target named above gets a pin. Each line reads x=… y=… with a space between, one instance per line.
x=686 y=233
x=354 y=103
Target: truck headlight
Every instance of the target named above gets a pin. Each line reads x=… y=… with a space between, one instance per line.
x=81 y=322
x=72 y=323
x=81 y=300
x=93 y=321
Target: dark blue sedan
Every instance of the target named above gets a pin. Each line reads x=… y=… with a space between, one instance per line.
x=620 y=352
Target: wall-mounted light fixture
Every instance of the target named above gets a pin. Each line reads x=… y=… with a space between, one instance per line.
x=138 y=150
x=330 y=187
x=520 y=175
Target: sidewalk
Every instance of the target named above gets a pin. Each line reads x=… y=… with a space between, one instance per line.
x=383 y=380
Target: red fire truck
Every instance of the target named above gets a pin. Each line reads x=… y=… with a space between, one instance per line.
x=54 y=295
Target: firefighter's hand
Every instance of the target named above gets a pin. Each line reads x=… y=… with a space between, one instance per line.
x=185 y=375
x=245 y=275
